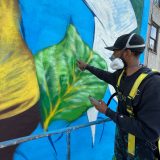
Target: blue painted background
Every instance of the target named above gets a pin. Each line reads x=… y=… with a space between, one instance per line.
x=45 y=23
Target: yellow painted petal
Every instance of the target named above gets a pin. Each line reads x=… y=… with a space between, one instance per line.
x=18 y=83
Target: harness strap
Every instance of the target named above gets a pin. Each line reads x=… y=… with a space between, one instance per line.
x=159 y=145
x=119 y=78
x=131 y=144
x=132 y=94
x=136 y=85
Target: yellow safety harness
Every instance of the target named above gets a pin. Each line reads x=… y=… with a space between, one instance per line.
x=132 y=94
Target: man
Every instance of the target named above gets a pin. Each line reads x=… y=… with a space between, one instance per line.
x=137 y=118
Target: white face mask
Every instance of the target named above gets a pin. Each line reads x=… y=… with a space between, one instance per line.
x=116 y=64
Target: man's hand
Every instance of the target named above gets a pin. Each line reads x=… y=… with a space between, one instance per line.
x=101 y=107
x=81 y=65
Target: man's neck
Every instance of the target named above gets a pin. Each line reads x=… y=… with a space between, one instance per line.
x=131 y=69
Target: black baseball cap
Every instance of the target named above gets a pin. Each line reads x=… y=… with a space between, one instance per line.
x=131 y=41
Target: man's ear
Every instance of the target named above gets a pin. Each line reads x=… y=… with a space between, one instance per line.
x=129 y=53
x=125 y=53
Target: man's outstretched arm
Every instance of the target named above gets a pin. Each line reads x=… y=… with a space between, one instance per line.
x=106 y=76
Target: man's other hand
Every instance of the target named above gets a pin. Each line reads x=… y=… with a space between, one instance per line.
x=102 y=107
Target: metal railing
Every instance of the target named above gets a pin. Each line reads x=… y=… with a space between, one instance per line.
x=67 y=130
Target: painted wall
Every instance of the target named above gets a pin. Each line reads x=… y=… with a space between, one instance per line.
x=40 y=41
x=152 y=59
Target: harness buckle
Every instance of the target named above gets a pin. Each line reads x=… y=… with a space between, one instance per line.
x=129 y=104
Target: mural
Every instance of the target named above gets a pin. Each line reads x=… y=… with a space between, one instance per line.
x=41 y=88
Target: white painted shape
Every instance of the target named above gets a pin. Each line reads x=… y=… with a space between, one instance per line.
x=92 y=116
x=113 y=19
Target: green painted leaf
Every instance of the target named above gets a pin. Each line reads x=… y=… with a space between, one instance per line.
x=64 y=88
x=138 y=6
